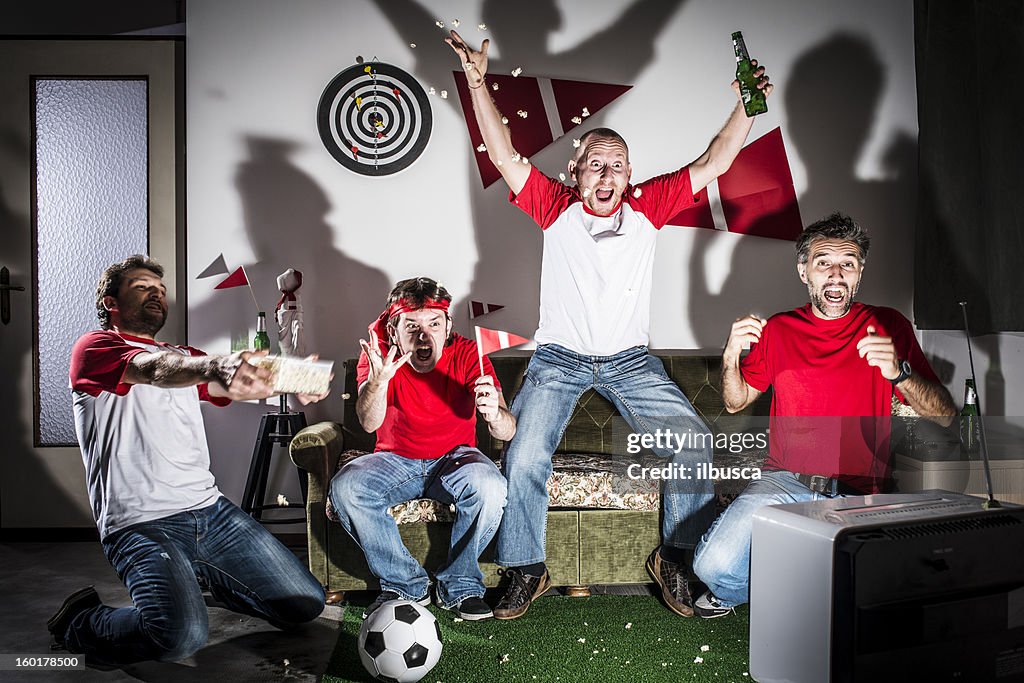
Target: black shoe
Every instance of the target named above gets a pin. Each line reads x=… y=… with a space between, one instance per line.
x=675 y=587
x=387 y=596
x=472 y=608
x=522 y=590
x=75 y=604
x=708 y=606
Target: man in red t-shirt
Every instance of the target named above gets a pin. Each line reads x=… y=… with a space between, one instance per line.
x=420 y=388
x=834 y=366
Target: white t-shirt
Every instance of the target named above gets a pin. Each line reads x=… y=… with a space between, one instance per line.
x=144 y=447
x=596 y=272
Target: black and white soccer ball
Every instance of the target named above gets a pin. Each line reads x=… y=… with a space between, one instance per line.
x=400 y=642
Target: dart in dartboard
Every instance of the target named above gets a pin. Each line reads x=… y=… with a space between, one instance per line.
x=374 y=119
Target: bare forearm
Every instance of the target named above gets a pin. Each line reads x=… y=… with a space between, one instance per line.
x=929 y=399
x=169 y=370
x=371 y=405
x=722 y=150
x=503 y=426
x=498 y=139
x=736 y=393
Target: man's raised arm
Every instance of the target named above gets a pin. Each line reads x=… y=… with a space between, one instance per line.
x=496 y=135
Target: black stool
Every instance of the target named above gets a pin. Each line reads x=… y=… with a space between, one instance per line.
x=275 y=429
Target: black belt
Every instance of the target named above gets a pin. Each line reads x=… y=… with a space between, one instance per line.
x=829 y=486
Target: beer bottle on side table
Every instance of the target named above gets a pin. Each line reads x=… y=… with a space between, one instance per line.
x=753 y=98
x=262 y=340
x=970 y=429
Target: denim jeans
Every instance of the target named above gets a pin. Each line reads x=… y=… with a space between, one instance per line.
x=365 y=488
x=161 y=562
x=723 y=555
x=637 y=385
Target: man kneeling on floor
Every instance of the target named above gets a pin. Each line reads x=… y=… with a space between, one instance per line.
x=164 y=525
x=420 y=390
x=834 y=366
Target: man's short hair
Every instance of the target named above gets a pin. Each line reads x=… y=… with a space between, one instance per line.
x=113 y=276
x=418 y=291
x=599 y=133
x=837 y=226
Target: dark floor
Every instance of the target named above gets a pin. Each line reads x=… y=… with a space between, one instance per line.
x=36 y=577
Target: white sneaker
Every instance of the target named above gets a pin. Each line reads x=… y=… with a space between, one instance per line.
x=707 y=606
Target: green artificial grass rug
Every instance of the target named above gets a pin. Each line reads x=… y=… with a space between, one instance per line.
x=607 y=638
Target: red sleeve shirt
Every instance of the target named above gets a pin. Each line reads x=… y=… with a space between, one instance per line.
x=429 y=414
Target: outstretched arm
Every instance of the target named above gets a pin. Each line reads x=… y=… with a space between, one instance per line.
x=496 y=134
x=228 y=376
x=724 y=147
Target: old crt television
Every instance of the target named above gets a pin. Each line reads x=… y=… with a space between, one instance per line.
x=922 y=586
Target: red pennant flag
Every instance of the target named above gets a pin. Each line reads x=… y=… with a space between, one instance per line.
x=490 y=341
x=479 y=308
x=757 y=194
x=236 y=279
x=549 y=104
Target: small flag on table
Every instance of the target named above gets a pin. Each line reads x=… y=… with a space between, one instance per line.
x=489 y=341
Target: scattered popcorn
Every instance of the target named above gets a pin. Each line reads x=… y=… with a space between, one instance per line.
x=494 y=86
x=455 y=23
x=516 y=156
x=412 y=45
x=586 y=624
x=561 y=176
x=581 y=640
x=281 y=500
x=504 y=120
x=439 y=23
x=575 y=142
x=444 y=94
x=525 y=160
x=287 y=663
x=586 y=193
x=522 y=114
x=482 y=27
x=586 y=112
x=499 y=162
x=346 y=396
x=637 y=192
x=516 y=71
x=432 y=91
x=481 y=147
x=664 y=663
x=594 y=652
x=504 y=658
x=629 y=625
x=577 y=120
x=458 y=619
x=698 y=660
x=705 y=648
x=490 y=637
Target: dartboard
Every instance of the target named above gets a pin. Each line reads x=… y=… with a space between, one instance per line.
x=374 y=119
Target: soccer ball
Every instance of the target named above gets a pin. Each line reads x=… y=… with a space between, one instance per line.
x=400 y=642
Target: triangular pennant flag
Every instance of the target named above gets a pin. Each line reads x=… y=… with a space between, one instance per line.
x=236 y=279
x=490 y=341
x=479 y=308
x=218 y=267
x=549 y=106
x=756 y=193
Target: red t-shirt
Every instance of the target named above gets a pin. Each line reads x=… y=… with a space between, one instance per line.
x=429 y=414
x=830 y=410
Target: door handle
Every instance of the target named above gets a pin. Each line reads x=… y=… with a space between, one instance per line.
x=5 y=294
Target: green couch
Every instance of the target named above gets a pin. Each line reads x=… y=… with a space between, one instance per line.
x=587 y=542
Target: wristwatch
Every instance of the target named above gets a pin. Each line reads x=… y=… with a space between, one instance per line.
x=905 y=372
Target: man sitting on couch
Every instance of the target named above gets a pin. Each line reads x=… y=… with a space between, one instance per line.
x=834 y=366
x=420 y=390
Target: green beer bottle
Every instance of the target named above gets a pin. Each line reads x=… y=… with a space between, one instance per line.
x=970 y=429
x=262 y=340
x=753 y=98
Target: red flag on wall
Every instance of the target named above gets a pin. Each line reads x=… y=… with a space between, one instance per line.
x=236 y=279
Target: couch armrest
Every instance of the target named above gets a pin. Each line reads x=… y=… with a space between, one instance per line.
x=316 y=450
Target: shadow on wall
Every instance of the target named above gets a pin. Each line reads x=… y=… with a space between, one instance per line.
x=503 y=236
x=285 y=212
x=831 y=98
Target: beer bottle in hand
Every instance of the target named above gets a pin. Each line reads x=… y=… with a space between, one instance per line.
x=753 y=98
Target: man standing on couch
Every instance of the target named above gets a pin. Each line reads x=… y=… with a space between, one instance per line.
x=420 y=387
x=596 y=275
x=164 y=525
x=834 y=366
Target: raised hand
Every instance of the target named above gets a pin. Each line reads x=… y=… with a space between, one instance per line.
x=241 y=380
x=486 y=398
x=879 y=352
x=745 y=331
x=382 y=368
x=762 y=83
x=474 y=62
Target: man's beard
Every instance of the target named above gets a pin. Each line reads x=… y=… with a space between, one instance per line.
x=821 y=303
x=143 y=320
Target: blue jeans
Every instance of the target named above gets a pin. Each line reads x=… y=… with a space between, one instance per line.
x=245 y=567
x=723 y=555
x=365 y=488
x=637 y=385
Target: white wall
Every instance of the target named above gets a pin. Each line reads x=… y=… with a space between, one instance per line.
x=263 y=190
